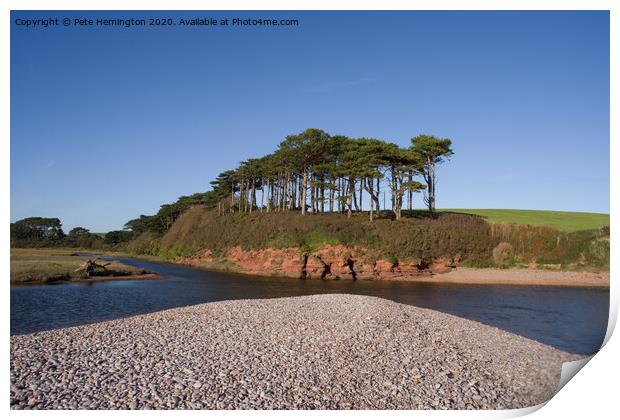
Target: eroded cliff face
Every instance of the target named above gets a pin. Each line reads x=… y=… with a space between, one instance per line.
x=331 y=262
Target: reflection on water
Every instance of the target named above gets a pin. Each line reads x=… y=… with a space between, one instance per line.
x=571 y=319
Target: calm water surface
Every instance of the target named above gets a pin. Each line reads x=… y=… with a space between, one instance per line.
x=571 y=319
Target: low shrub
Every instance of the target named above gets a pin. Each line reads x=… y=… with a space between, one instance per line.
x=503 y=254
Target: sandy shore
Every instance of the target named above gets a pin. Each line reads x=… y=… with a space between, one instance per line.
x=323 y=351
x=518 y=276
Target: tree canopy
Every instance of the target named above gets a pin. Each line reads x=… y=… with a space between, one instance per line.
x=315 y=172
x=37 y=228
x=432 y=151
x=47 y=232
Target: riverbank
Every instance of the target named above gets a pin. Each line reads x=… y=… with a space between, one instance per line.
x=523 y=277
x=54 y=265
x=460 y=275
x=336 y=262
x=321 y=351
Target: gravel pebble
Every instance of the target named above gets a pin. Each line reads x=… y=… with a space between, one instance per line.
x=310 y=352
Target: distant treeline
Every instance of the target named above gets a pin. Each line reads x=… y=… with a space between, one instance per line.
x=47 y=232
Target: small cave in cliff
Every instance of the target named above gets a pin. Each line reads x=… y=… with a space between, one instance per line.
x=327 y=269
x=423 y=265
x=304 y=273
x=350 y=265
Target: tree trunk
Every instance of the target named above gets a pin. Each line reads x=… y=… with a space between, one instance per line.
x=294 y=193
x=350 y=198
x=393 y=191
x=253 y=196
x=430 y=181
x=232 y=197
x=242 y=197
x=277 y=188
x=354 y=193
x=262 y=198
x=303 y=192
x=410 y=200
x=368 y=186
x=322 y=193
x=361 y=196
x=339 y=188
x=379 y=195
x=247 y=196
x=312 y=195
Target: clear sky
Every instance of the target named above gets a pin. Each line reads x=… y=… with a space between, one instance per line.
x=109 y=123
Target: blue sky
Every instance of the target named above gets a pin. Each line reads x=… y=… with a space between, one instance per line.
x=109 y=123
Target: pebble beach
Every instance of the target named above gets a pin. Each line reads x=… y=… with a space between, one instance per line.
x=313 y=352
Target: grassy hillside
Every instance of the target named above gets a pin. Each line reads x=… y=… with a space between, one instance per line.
x=462 y=237
x=562 y=220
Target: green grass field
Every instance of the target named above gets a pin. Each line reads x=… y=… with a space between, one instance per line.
x=562 y=220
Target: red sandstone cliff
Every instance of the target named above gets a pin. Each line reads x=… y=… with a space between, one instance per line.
x=329 y=262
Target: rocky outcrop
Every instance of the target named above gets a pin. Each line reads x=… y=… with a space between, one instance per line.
x=285 y=262
x=338 y=261
x=331 y=262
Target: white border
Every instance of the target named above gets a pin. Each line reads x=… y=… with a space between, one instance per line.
x=593 y=393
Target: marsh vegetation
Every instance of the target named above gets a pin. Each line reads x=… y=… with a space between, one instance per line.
x=53 y=264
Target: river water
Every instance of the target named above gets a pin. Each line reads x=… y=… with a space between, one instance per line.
x=570 y=319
